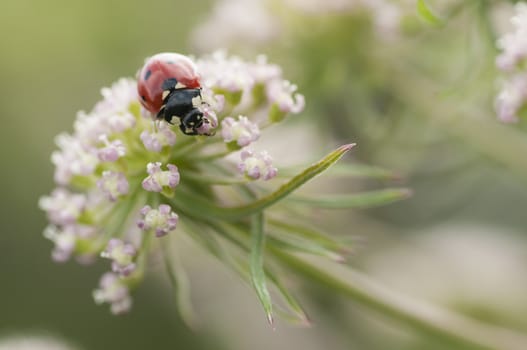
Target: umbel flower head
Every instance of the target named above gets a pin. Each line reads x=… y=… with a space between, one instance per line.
x=262 y=21
x=511 y=101
x=127 y=181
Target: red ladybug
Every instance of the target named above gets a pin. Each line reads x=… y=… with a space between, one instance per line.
x=168 y=85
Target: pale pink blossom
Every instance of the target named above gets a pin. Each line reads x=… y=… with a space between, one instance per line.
x=257 y=165
x=514 y=44
x=62 y=206
x=158 y=179
x=164 y=136
x=112 y=150
x=241 y=131
x=113 y=184
x=162 y=220
x=283 y=94
x=122 y=255
x=113 y=291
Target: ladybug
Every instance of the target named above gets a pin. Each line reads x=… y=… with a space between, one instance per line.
x=169 y=87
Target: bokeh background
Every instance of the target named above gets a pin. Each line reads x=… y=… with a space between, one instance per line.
x=416 y=97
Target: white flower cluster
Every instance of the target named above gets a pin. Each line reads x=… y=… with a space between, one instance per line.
x=257 y=22
x=512 y=99
x=248 y=85
x=117 y=160
x=81 y=153
x=385 y=13
x=236 y=20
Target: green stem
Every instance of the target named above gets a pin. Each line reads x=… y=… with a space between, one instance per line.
x=194 y=147
x=487 y=25
x=212 y=156
x=443 y=325
x=446 y=327
x=257 y=264
x=121 y=215
x=180 y=284
x=214 y=179
x=182 y=149
x=137 y=276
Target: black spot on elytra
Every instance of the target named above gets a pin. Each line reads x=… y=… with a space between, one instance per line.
x=169 y=84
x=148 y=74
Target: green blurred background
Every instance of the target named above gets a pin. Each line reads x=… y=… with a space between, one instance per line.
x=55 y=57
x=466 y=219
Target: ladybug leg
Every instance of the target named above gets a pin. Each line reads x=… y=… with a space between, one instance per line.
x=162 y=115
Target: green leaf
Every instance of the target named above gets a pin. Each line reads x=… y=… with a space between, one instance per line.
x=215 y=179
x=309 y=233
x=304 y=246
x=236 y=235
x=257 y=264
x=362 y=170
x=115 y=221
x=355 y=170
x=198 y=207
x=356 y=200
x=205 y=239
x=202 y=235
x=426 y=13
x=441 y=325
x=299 y=316
x=180 y=286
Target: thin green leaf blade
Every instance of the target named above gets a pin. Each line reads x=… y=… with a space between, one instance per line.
x=426 y=13
x=305 y=246
x=294 y=313
x=299 y=316
x=356 y=200
x=195 y=205
x=205 y=240
x=257 y=264
x=211 y=244
x=180 y=286
x=215 y=179
x=353 y=170
x=309 y=233
x=362 y=170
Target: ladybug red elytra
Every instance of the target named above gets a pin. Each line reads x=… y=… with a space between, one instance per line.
x=168 y=85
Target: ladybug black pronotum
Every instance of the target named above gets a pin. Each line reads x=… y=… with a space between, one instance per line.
x=169 y=87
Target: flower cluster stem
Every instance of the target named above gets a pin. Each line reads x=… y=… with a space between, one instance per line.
x=212 y=156
x=445 y=326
